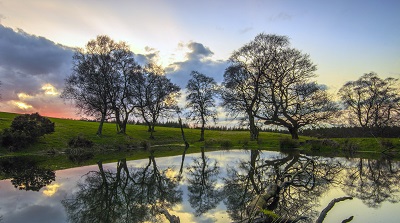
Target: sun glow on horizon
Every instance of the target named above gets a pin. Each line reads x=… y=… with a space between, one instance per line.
x=22 y=105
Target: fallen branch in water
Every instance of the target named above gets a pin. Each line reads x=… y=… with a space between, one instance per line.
x=329 y=207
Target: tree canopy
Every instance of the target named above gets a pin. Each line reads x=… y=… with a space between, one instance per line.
x=200 y=100
x=372 y=102
x=273 y=83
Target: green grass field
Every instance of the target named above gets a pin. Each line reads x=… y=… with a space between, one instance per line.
x=168 y=141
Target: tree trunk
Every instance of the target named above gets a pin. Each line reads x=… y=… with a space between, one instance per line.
x=202 y=134
x=151 y=130
x=203 y=122
x=294 y=132
x=253 y=128
x=100 y=129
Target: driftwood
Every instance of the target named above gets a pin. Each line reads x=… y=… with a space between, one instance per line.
x=330 y=206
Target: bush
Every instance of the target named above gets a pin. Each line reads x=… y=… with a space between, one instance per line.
x=80 y=142
x=25 y=129
x=226 y=143
x=323 y=144
x=287 y=143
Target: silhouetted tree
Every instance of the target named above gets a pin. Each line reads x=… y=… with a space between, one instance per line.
x=372 y=102
x=279 y=89
x=98 y=84
x=157 y=96
x=240 y=96
x=200 y=99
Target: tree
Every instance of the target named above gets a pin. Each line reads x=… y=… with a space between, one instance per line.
x=98 y=83
x=157 y=96
x=280 y=90
x=25 y=129
x=372 y=102
x=240 y=96
x=202 y=91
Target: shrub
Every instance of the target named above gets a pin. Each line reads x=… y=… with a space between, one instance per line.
x=25 y=129
x=226 y=143
x=80 y=142
x=323 y=144
x=287 y=143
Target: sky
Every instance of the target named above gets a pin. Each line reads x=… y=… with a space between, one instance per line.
x=344 y=38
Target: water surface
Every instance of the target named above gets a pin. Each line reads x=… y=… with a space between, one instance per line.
x=205 y=187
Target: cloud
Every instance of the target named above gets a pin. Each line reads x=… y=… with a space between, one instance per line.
x=282 y=16
x=32 y=72
x=198 y=58
x=245 y=30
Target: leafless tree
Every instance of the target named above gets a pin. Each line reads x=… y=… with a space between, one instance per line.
x=97 y=83
x=157 y=96
x=279 y=90
x=372 y=102
x=200 y=100
x=239 y=96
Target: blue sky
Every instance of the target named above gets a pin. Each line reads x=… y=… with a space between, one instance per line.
x=345 y=39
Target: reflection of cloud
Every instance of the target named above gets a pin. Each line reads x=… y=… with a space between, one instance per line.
x=50 y=190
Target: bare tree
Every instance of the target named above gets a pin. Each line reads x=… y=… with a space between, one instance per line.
x=372 y=102
x=95 y=83
x=240 y=97
x=200 y=100
x=280 y=88
x=157 y=96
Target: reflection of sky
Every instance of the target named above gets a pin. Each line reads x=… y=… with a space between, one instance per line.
x=45 y=206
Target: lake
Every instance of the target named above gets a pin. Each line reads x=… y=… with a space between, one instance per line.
x=218 y=186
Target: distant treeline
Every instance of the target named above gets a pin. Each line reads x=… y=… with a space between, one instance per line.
x=352 y=132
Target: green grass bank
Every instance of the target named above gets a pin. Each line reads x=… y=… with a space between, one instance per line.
x=168 y=141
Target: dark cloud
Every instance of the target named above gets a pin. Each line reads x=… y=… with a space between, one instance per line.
x=198 y=59
x=27 y=62
x=151 y=55
x=198 y=51
x=37 y=213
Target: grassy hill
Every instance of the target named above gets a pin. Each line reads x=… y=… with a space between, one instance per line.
x=168 y=141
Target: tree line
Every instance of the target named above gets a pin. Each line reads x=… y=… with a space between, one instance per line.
x=268 y=82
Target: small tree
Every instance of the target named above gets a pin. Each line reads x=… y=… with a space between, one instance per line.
x=202 y=91
x=372 y=102
x=25 y=129
x=156 y=96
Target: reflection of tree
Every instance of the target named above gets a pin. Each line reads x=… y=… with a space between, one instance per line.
x=289 y=186
x=374 y=181
x=202 y=179
x=125 y=195
x=25 y=174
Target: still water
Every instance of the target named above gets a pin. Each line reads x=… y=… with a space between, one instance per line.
x=205 y=187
